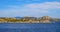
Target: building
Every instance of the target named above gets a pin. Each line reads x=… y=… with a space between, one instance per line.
x=46 y=17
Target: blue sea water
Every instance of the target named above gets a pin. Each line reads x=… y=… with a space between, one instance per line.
x=30 y=27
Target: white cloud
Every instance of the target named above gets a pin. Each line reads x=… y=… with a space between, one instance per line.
x=44 y=6
x=37 y=9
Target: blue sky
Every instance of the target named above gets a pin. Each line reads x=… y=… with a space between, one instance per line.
x=36 y=8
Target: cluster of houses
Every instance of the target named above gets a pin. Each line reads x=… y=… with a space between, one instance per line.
x=44 y=19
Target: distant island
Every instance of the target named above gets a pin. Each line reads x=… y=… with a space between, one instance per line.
x=44 y=19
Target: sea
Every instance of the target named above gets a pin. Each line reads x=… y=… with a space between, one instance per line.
x=30 y=27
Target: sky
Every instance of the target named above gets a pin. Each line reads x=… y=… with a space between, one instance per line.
x=34 y=8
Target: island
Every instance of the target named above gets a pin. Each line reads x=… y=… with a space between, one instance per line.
x=44 y=19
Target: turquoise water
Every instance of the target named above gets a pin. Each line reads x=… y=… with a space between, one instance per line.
x=26 y=27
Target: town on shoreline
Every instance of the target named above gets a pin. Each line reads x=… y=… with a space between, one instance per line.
x=44 y=19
